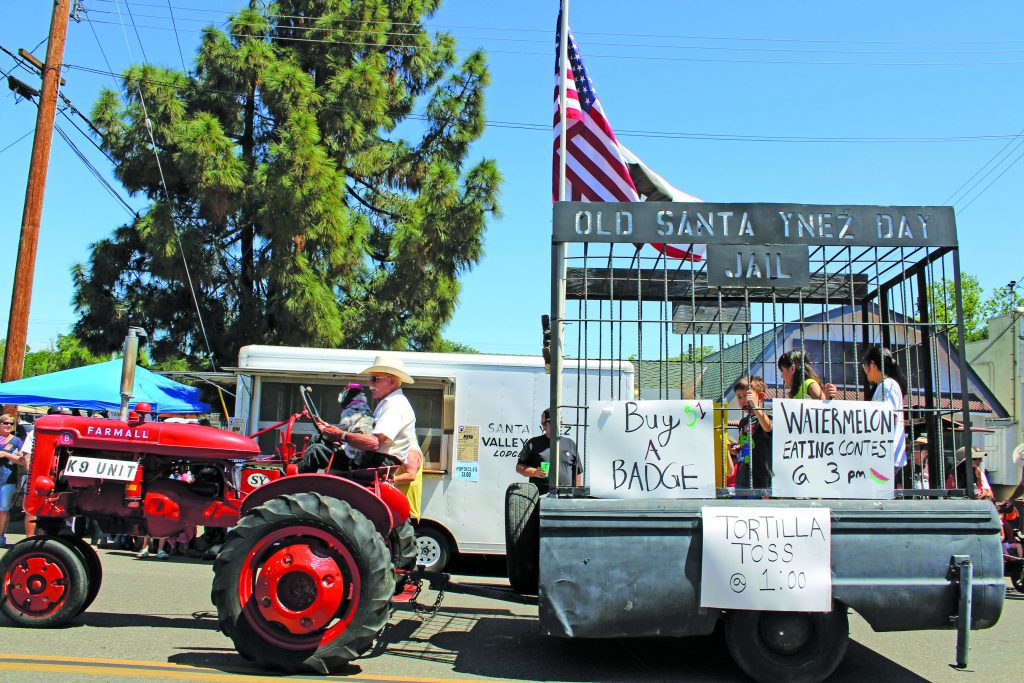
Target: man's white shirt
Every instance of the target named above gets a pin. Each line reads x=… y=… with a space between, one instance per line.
x=396 y=420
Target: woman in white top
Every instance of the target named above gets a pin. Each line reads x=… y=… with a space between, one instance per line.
x=888 y=384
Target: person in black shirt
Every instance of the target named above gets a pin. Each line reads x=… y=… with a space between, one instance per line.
x=755 y=463
x=535 y=459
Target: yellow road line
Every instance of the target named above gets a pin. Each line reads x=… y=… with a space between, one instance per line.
x=166 y=670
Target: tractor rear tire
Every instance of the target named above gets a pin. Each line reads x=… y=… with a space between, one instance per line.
x=93 y=568
x=1017 y=576
x=788 y=647
x=522 y=537
x=403 y=552
x=303 y=583
x=43 y=583
x=403 y=546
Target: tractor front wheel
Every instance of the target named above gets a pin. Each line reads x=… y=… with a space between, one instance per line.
x=44 y=582
x=303 y=583
x=91 y=561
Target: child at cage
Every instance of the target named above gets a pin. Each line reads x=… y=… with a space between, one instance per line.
x=886 y=382
x=798 y=373
x=754 y=466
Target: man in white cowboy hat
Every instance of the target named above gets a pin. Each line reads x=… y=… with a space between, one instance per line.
x=982 y=489
x=393 y=441
x=1018 y=455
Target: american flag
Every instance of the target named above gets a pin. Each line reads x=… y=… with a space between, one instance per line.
x=595 y=169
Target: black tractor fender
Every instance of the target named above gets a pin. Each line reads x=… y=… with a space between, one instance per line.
x=359 y=497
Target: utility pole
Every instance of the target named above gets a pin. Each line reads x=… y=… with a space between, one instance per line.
x=21 y=295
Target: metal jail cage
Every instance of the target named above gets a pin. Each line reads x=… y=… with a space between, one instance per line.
x=831 y=281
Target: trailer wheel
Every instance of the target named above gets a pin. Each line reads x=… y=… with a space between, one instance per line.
x=303 y=583
x=522 y=536
x=433 y=550
x=44 y=583
x=788 y=647
x=93 y=569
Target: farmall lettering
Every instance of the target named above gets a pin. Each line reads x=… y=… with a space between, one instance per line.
x=136 y=434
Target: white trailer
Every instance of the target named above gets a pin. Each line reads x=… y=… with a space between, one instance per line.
x=473 y=415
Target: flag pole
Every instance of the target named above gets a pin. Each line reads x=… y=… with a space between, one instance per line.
x=563 y=60
x=558 y=254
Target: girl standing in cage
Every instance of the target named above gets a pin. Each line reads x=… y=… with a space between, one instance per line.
x=886 y=382
x=797 y=371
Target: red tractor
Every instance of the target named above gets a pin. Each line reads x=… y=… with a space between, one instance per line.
x=305 y=577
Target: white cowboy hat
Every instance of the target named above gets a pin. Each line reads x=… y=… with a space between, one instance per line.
x=975 y=453
x=1018 y=452
x=389 y=365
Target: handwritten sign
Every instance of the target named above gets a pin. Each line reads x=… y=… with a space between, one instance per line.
x=774 y=559
x=651 y=449
x=467 y=454
x=833 y=449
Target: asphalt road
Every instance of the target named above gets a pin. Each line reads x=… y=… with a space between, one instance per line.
x=153 y=620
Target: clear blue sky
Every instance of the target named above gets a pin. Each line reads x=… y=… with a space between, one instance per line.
x=895 y=103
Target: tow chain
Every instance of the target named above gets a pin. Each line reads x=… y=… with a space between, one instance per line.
x=425 y=615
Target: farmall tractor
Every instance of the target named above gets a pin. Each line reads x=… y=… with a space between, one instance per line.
x=305 y=577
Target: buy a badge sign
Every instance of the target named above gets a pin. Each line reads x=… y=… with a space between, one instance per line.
x=651 y=449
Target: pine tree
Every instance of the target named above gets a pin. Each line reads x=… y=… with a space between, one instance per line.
x=304 y=216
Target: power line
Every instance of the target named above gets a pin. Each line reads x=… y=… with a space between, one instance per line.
x=177 y=39
x=111 y=190
x=984 y=189
x=99 y=44
x=27 y=133
x=547 y=53
x=625 y=132
x=547 y=31
x=955 y=192
x=131 y=16
x=313 y=26
x=167 y=196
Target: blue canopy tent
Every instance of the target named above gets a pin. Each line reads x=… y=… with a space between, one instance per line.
x=97 y=387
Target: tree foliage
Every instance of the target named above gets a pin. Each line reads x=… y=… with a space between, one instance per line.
x=67 y=352
x=304 y=216
x=976 y=308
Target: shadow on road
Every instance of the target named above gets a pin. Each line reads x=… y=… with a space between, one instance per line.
x=499 y=644
x=114 y=620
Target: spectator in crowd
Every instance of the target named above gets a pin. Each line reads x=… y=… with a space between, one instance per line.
x=921 y=475
x=1018 y=452
x=10 y=456
x=147 y=541
x=535 y=458
x=982 y=488
x=799 y=375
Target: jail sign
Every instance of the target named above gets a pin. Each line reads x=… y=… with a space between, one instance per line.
x=755 y=223
x=651 y=449
x=833 y=449
x=758 y=265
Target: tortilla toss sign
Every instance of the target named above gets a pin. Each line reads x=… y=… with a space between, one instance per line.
x=651 y=449
x=833 y=449
x=766 y=558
